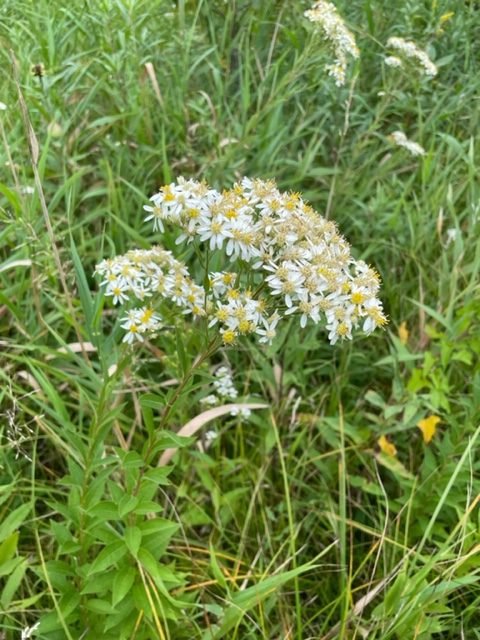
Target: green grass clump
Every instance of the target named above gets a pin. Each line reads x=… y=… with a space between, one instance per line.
x=295 y=524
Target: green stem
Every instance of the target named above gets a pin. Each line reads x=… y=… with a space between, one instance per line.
x=210 y=350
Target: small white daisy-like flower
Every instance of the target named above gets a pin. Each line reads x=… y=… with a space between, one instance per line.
x=268 y=333
x=339 y=329
x=132 y=333
x=307 y=308
x=148 y=320
x=215 y=230
x=155 y=213
x=118 y=290
x=286 y=280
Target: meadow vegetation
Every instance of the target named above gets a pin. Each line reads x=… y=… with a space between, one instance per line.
x=345 y=504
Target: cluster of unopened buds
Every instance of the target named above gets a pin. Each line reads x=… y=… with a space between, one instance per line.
x=224 y=389
x=281 y=257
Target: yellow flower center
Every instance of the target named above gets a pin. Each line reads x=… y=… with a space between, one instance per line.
x=222 y=315
x=357 y=297
x=146 y=316
x=228 y=278
x=229 y=336
x=233 y=294
x=342 y=329
x=244 y=326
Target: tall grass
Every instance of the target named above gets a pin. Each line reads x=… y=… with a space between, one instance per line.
x=293 y=524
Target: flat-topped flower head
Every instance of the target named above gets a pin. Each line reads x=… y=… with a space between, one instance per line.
x=280 y=258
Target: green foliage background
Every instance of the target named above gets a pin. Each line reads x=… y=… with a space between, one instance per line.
x=293 y=525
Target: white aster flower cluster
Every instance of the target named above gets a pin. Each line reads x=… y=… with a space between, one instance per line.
x=149 y=274
x=409 y=49
x=283 y=259
x=290 y=260
x=401 y=140
x=225 y=390
x=336 y=33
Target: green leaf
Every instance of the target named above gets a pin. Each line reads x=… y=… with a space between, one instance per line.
x=60 y=573
x=69 y=602
x=11 y=196
x=8 y=548
x=13 y=521
x=168 y=439
x=131 y=460
x=245 y=600
x=147 y=506
x=158 y=476
x=395 y=466
x=122 y=584
x=182 y=357
x=126 y=505
x=7 y=567
x=83 y=291
x=12 y=584
x=375 y=399
x=434 y=314
x=100 y=606
x=158 y=572
x=133 y=539
x=394 y=595
x=216 y=570
x=152 y=401
x=148 y=421
x=6 y=491
x=106 y=510
x=108 y=556
x=60 y=532
x=444 y=587
x=99 y=584
x=157 y=534
x=49 y=622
